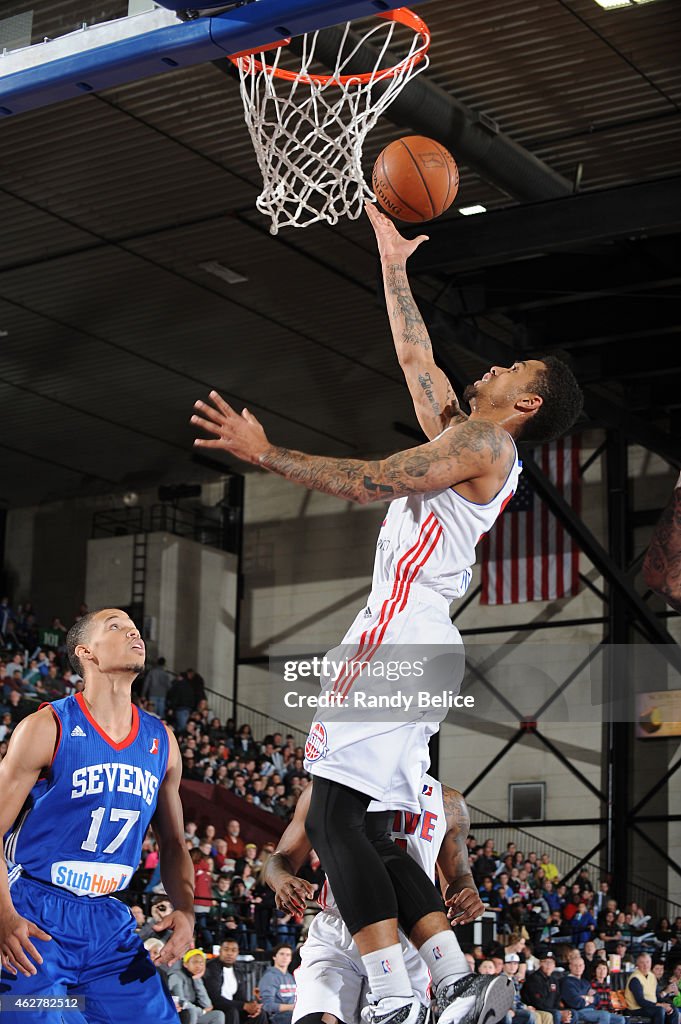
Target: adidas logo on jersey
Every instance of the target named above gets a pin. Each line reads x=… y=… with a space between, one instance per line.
x=77 y=731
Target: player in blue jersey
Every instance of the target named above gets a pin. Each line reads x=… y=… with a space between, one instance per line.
x=82 y=780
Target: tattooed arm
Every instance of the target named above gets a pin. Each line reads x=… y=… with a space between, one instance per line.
x=460 y=891
x=433 y=396
x=662 y=565
x=477 y=451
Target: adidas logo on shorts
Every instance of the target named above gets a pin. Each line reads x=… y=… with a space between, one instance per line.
x=77 y=731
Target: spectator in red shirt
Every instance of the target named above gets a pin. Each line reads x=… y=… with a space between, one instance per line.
x=236 y=847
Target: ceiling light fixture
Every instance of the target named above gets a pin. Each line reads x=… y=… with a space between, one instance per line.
x=468 y=211
x=611 y=5
x=224 y=273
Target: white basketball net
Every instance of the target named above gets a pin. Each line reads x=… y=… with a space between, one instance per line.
x=308 y=135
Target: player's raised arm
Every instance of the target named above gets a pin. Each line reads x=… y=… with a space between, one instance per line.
x=433 y=396
x=177 y=870
x=460 y=891
x=30 y=751
x=475 y=450
x=280 y=871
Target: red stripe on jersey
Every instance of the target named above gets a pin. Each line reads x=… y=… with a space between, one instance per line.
x=342 y=676
x=134 y=727
x=404 y=587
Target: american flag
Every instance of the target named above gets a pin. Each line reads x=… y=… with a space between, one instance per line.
x=527 y=555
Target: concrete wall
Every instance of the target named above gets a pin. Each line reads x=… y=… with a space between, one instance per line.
x=190 y=600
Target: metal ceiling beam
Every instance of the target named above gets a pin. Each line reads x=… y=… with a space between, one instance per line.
x=526 y=231
x=605 y=411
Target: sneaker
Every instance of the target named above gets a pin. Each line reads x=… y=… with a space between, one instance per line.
x=386 y=1012
x=493 y=997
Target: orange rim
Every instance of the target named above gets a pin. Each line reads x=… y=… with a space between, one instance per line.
x=251 y=65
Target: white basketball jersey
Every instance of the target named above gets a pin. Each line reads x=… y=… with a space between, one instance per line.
x=421 y=835
x=430 y=539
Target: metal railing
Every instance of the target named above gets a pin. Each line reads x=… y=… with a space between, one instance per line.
x=194 y=523
x=261 y=724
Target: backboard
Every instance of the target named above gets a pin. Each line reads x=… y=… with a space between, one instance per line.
x=89 y=46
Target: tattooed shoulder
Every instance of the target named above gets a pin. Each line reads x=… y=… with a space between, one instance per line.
x=480 y=436
x=456 y=811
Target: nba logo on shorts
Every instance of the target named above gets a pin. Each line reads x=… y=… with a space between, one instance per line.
x=387 y=969
x=315 y=745
x=437 y=953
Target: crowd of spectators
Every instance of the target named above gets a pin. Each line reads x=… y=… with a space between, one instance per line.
x=526 y=894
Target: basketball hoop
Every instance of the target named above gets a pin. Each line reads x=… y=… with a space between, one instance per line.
x=308 y=129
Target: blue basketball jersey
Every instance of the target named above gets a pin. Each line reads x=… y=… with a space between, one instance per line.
x=84 y=822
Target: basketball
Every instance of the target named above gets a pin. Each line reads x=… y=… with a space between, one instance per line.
x=415 y=179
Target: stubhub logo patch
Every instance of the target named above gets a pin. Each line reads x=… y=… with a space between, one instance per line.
x=87 y=878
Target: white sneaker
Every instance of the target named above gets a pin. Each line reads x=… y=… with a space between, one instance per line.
x=385 y=1011
x=493 y=996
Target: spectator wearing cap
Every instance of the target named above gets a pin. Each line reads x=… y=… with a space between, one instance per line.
x=189 y=991
x=541 y=992
x=578 y=995
x=641 y=994
x=518 y=1012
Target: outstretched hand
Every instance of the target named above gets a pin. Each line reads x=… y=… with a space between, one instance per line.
x=391 y=244
x=242 y=435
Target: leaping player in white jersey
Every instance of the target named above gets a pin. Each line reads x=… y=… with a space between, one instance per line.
x=443 y=495
x=331 y=981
